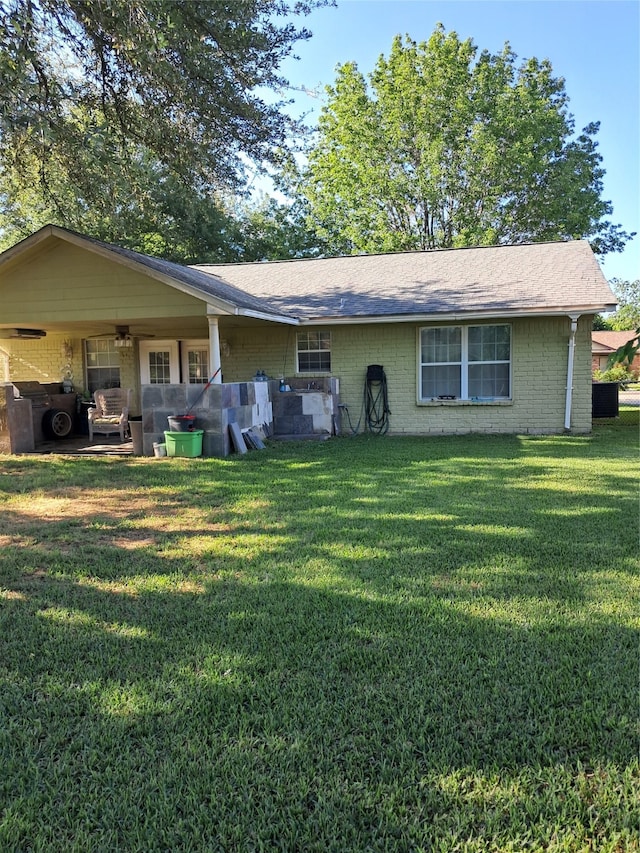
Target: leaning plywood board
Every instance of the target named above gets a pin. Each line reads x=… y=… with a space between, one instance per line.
x=237 y=439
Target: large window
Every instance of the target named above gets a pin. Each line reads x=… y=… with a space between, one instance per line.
x=314 y=352
x=103 y=364
x=465 y=363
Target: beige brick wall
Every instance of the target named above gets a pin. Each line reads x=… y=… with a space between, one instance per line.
x=539 y=348
x=539 y=362
x=44 y=360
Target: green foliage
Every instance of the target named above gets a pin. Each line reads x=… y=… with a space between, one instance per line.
x=618 y=373
x=130 y=122
x=628 y=314
x=269 y=230
x=441 y=150
x=181 y=79
x=362 y=644
x=138 y=204
x=627 y=352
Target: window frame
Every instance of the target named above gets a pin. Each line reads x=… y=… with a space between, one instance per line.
x=199 y=345
x=319 y=350
x=171 y=347
x=113 y=365
x=464 y=364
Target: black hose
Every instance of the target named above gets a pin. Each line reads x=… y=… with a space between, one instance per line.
x=376 y=401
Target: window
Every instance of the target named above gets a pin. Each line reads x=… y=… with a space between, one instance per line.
x=159 y=367
x=103 y=364
x=314 y=352
x=195 y=362
x=465 y=363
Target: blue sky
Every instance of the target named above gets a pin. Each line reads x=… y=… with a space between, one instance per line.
x=593 y=44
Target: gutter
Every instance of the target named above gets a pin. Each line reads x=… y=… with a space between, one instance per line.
x=570 y=361
x=454 y=317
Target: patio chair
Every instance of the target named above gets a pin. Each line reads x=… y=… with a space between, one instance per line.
x=110 y=413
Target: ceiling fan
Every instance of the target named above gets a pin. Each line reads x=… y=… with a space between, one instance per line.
x=122 y=336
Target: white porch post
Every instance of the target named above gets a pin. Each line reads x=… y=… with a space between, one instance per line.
x=214 y=349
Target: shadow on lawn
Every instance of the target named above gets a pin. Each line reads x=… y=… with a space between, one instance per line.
x=237 y=696
x=422 y=674
x=265 y=706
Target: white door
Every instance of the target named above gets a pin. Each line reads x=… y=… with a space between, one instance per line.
x=159 y=363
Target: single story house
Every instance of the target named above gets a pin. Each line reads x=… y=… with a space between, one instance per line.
x=604 y=344
x=494 y=339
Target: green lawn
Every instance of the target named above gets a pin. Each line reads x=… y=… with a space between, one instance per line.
x=367 y=644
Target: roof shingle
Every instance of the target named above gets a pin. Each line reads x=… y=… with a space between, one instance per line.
x=534 y=277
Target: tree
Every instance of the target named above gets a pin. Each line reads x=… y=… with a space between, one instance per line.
x=142 y=206
x=94 y=95
x=269 y=230
x=628 y=314
x=442 y=151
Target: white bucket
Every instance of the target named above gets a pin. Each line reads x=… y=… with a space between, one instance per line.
x=159 y=448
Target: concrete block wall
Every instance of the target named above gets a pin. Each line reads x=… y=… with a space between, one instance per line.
x=245 y=403
x=302 y=411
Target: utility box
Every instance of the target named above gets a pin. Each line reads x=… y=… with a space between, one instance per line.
x=605 y=400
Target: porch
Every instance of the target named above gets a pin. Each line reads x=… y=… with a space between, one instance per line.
x=219 y=410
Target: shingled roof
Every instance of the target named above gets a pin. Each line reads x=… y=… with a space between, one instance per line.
x=495 y=281
x=538 y=278
x=606 y=341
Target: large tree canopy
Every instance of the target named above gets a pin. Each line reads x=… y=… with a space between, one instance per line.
x=441 y=150
x=96 y=93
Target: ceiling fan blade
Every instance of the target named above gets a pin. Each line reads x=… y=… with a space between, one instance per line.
x=120 y=333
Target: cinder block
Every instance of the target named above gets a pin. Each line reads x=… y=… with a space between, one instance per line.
x=152 y=396
x=213 y=444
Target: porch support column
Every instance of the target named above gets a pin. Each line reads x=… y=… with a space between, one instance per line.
x=214 y=349
x=572 y=350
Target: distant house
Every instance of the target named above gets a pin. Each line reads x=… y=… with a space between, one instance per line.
x=604 y=344
x=494 y=339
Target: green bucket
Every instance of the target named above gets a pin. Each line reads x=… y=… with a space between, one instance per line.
x=184 y=443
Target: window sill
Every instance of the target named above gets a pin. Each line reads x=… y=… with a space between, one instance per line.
x=456 y=403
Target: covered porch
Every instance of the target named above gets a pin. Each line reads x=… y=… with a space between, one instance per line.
x=78 y=315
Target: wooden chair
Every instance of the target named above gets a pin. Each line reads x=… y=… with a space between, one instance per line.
x=111 y=412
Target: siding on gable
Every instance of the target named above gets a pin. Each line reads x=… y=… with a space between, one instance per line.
x=69 y=284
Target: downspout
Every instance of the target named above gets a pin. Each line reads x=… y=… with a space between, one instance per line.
x=572 y=350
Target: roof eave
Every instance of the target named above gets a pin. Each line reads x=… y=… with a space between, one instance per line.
x=259 y=315
x=455 y=316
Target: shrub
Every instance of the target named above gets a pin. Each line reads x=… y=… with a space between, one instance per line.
x=617 y=373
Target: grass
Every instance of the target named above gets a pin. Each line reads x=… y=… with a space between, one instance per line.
x=368 y=644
